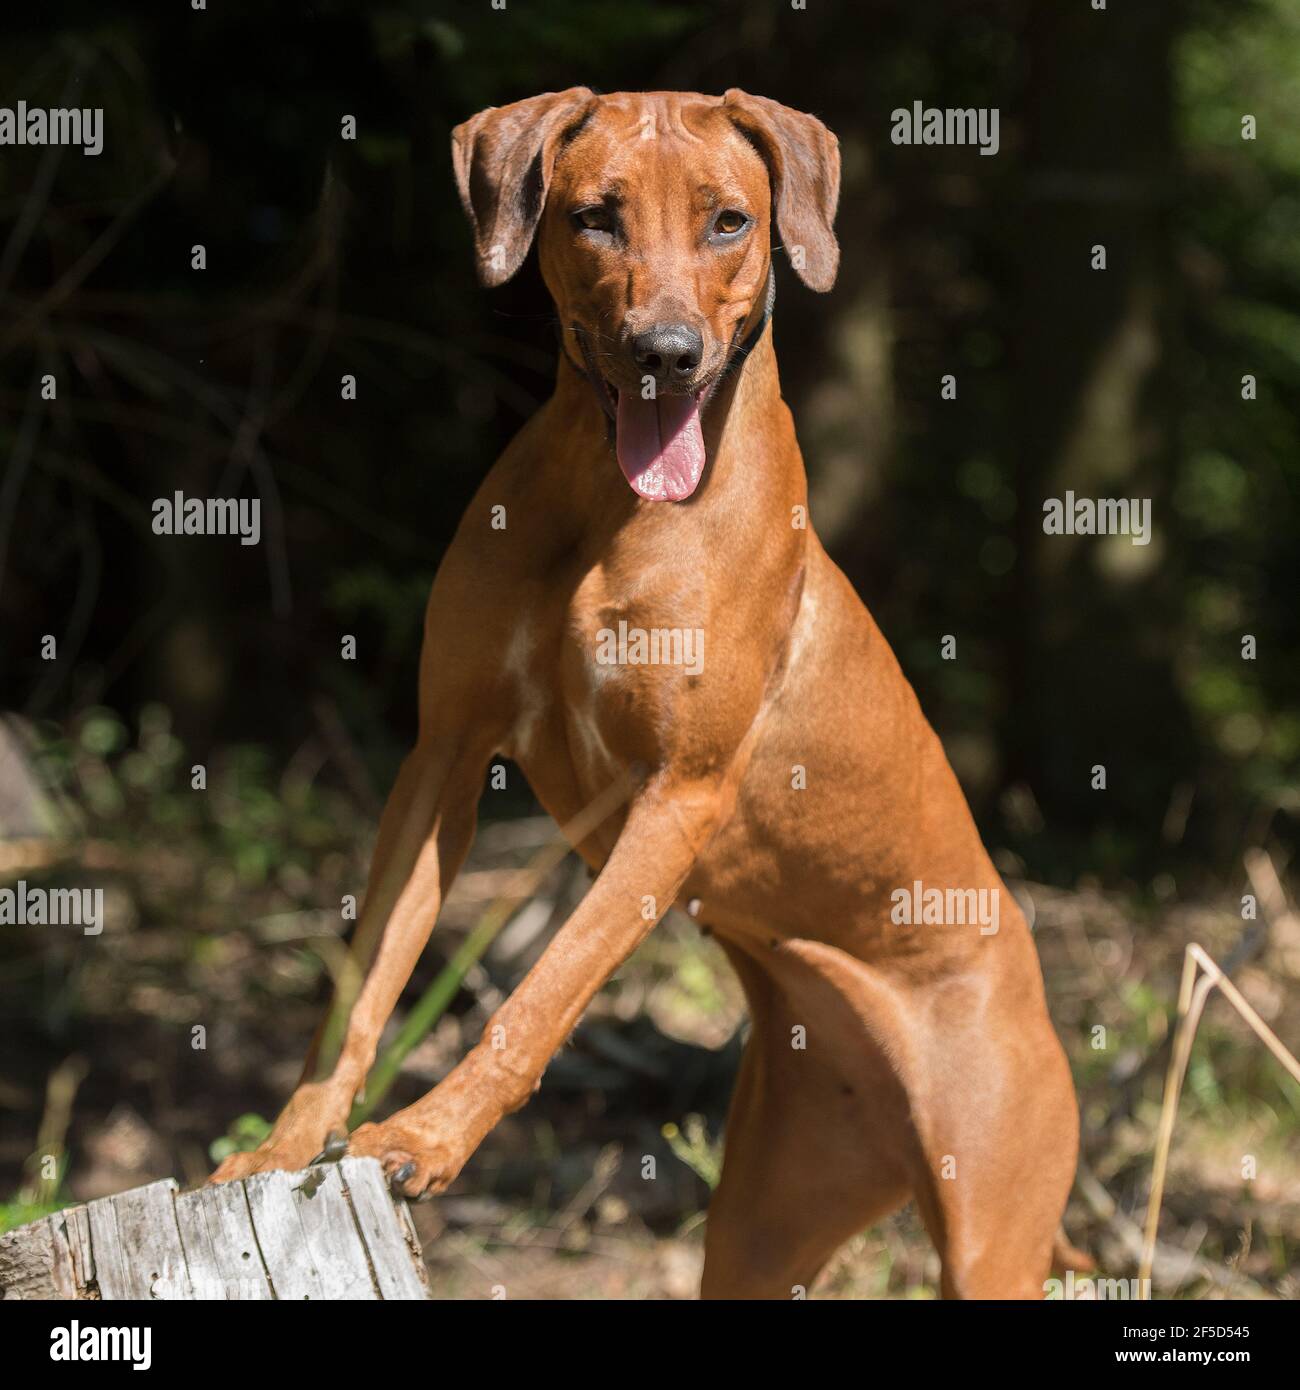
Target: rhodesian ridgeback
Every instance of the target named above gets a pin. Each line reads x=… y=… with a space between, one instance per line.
x=635 y=593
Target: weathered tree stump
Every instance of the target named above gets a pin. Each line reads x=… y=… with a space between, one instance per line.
x=331 y=1232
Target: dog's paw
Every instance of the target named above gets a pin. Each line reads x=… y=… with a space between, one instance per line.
x=415 y=1167
x=233 y=1167
x=273 y=1157
x=310 y=1130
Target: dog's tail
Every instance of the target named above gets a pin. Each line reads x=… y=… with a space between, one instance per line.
x=1066 y=1256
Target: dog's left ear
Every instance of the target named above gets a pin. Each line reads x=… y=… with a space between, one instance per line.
x=803 y=161
x=503 y=159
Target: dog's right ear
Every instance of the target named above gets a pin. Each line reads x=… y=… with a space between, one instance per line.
x=503 y=159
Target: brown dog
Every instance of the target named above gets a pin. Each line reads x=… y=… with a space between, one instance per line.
x=900 y=1044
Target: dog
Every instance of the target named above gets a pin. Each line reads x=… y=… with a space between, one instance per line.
x=782 y=783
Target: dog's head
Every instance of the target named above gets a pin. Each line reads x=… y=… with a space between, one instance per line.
x=653 y=215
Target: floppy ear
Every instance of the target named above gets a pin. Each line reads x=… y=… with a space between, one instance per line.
x=803 y=162
x=503 y=159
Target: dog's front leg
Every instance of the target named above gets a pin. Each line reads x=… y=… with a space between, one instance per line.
x=424 y=836
x=424 y=1146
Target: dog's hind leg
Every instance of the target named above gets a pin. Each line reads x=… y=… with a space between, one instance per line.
x=991 y=1120
x=809 y=1158
x=1000 y=1133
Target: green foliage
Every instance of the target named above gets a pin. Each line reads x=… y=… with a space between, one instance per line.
x=19 y=1213
x=692 y=1144
x=243 y=1136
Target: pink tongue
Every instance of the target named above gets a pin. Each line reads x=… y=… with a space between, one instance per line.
x=660 y=446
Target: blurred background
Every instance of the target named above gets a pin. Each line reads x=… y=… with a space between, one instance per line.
x=328 y=256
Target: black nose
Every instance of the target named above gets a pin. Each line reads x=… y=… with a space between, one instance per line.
x=669 y=352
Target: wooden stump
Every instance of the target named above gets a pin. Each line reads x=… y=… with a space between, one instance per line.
x=330 y=1232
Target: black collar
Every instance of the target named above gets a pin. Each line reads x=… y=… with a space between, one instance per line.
x=738 y=354
x=735 y=355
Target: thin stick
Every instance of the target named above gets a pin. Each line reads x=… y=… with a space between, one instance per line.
x=1262 y=1031
x=1268 y=887
x=52 y=1138
x=1192 y=994
x=1191 y=1001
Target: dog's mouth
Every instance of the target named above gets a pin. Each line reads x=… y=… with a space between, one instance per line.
x=659 y=442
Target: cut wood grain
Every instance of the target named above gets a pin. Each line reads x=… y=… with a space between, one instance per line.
x=331 y=1232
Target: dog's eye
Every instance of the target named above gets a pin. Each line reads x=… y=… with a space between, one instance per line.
x=729 y=221
x=594 y=219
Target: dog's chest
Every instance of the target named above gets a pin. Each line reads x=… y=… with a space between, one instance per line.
x=597 y=678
